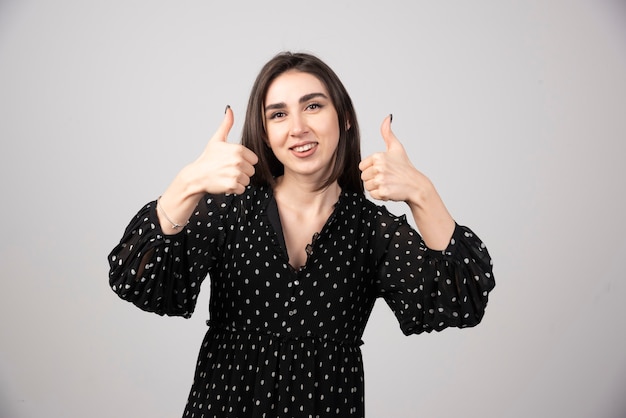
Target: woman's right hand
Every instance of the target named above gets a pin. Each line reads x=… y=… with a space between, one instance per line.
x=221 y=168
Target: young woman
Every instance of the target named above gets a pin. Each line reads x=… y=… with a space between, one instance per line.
x=295 y=252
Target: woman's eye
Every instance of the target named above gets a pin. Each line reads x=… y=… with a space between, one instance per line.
x=314 y=106
x=277 y=115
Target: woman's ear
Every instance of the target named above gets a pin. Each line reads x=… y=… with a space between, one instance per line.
x=348 y=126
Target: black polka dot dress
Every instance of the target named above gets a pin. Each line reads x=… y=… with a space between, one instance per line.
x=284 y=342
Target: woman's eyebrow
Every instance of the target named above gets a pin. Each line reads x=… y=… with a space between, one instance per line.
x=310 y=96
x=302 y=99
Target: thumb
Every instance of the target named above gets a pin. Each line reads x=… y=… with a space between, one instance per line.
x=221 y=135
x=388 y=136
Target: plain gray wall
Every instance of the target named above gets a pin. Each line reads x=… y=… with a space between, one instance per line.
x=515 y=109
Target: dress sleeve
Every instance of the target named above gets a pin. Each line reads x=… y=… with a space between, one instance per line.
x=162 y=273
x=432 y=290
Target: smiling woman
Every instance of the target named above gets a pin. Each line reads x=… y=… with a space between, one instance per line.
x=296 y=254
x=322 y=81
x=302 y=127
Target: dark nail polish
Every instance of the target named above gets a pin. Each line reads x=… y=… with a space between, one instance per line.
x=390 y=117
x=226 y=110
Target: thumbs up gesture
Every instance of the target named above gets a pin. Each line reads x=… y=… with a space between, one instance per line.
x=222 y=167
x=390 y=175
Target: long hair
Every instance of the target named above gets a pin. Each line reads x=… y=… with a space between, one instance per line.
x=254 y=136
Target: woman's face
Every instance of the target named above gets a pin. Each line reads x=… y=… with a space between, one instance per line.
x=302 y=125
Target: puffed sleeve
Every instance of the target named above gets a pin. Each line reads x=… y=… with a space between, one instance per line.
x=432 y=290
x=162 y=273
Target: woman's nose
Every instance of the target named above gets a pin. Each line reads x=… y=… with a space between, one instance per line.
x=297 y=125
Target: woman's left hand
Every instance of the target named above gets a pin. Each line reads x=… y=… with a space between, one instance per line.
x=390 y=175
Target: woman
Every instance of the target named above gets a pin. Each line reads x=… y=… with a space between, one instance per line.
x=295 y=252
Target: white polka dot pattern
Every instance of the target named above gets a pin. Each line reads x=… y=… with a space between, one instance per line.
x=285 y=342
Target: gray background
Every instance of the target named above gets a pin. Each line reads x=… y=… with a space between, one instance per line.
x=515 y=109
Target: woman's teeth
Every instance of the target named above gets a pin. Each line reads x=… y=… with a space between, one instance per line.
x=303 y=148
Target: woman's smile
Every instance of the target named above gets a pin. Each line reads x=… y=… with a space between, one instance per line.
x=303 y=150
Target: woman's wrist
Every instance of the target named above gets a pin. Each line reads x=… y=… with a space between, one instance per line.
x=175 y=206
x=421 y=192
x=173 y=224
x=431 y=216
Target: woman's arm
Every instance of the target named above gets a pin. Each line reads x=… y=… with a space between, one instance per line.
x=156 y=265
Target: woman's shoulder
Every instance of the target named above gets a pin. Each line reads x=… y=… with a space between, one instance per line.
x=351 y=202
x=254 y=198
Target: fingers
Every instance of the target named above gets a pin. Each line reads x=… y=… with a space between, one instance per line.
x=249 y=155
x=233 y=179
x=368 y=170
x=240 y=184
x=371 y=175
x=376 y=188
x=365 y=164
x=241 y=170
x=377 y=183
x=247 y=168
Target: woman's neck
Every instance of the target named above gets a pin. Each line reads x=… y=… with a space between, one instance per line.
x=306 y=197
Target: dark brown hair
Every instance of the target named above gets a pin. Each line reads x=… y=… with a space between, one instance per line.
x=346 y=168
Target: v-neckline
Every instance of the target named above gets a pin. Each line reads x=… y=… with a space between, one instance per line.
x=273 y=215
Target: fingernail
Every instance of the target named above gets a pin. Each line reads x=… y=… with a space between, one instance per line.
x=226 y=110
x=390 y=117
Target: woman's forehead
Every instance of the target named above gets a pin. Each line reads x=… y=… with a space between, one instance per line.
x=292 y=85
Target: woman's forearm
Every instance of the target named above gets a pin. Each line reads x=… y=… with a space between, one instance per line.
x=432 y=218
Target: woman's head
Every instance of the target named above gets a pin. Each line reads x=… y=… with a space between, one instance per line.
x=345 y=170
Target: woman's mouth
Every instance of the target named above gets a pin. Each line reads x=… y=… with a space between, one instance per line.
x=304 y=147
